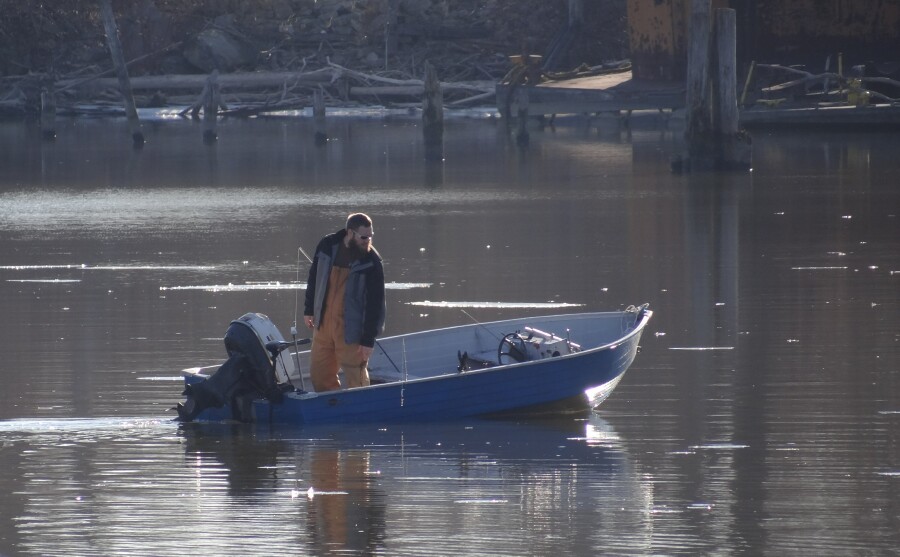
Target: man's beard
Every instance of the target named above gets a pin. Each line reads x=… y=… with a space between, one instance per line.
x=360 y=249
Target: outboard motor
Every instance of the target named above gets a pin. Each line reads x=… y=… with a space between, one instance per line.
x=250 y=372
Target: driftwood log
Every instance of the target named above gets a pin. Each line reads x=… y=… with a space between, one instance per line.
x=257 y=92
x=825 y=78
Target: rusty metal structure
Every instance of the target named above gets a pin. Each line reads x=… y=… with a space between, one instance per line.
x=789 y=32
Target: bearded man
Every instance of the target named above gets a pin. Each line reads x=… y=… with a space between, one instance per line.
x=344 y=305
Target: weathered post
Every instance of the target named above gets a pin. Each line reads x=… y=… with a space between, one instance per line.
x=726 y=57
x=733 y=147
x=390 y=31
x=433 y=116
x=319 y=117
x=48 y=111
x=712 y=127
x=118 y=58
x=698 y=125
x=211 y=102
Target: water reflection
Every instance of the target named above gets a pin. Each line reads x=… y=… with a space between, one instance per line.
x=773 y=422
x=370 y=489
x=346 y=509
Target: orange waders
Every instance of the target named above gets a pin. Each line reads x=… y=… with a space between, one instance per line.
x=329 y=351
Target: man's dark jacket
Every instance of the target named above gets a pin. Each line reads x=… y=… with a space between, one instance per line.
x=364 y=304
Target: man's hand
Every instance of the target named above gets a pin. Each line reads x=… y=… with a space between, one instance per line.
x=364 y=352
x=308 y=319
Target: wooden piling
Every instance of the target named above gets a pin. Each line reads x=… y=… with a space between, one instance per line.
x=698 y=123
x=712 y=126
x=118 y=59
x=211 y=101
x=433 y=116
x=727 y=117
x=733 y=147
x=390 y=32
x=319 y=117
x=48 y=112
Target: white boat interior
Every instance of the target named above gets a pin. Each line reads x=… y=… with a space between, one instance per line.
x=428 y=354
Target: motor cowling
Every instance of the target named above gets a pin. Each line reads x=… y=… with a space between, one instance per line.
x=265 y=331
x=248 y=373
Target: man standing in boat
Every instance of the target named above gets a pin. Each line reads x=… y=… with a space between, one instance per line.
x=344 y=305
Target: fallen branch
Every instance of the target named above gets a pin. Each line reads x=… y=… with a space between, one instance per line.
x=404 y=86
x=244 y=80
x=16 y=106
x=808 y=77
x=73 y=82
x=472 y=99
x=784 y=68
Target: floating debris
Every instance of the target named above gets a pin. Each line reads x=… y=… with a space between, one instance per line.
x=277 y=285
x=86 y=267
x=701 y=347
x=664 y=510
x=240 y=287
x=719 y=447
x=496 y=305
x=46 y=281
x=312 y=493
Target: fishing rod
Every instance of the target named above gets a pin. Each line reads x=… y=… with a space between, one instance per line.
x=480 y=324
x=297 y=290
x=296 y=311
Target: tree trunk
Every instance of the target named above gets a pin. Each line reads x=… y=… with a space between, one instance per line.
x=118 y=58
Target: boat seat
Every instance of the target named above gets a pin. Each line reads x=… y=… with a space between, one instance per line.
x=471 y=363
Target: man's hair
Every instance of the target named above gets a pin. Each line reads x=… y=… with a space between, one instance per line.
x=356 y=220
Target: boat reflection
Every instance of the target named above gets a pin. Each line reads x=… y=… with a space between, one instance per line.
x=496 y=487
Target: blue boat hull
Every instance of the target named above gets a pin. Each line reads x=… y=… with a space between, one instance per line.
x=488 y=391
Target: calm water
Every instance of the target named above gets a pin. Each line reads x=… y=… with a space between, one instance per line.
x=762 y=416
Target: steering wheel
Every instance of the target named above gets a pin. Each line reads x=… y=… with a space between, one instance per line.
x=512 y=347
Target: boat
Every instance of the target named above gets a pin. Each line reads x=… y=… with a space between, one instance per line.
x=514 y=366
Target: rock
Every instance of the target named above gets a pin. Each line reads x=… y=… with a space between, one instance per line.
x=219 y=48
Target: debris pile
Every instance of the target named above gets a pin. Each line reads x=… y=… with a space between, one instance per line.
x=357 y=51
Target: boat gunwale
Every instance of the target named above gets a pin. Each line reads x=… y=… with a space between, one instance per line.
x=638 y=328
x=644 y=315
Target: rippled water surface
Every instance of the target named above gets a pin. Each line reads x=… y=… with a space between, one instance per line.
x=761 y=417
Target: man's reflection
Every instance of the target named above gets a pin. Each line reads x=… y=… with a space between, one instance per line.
x=345 y=511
